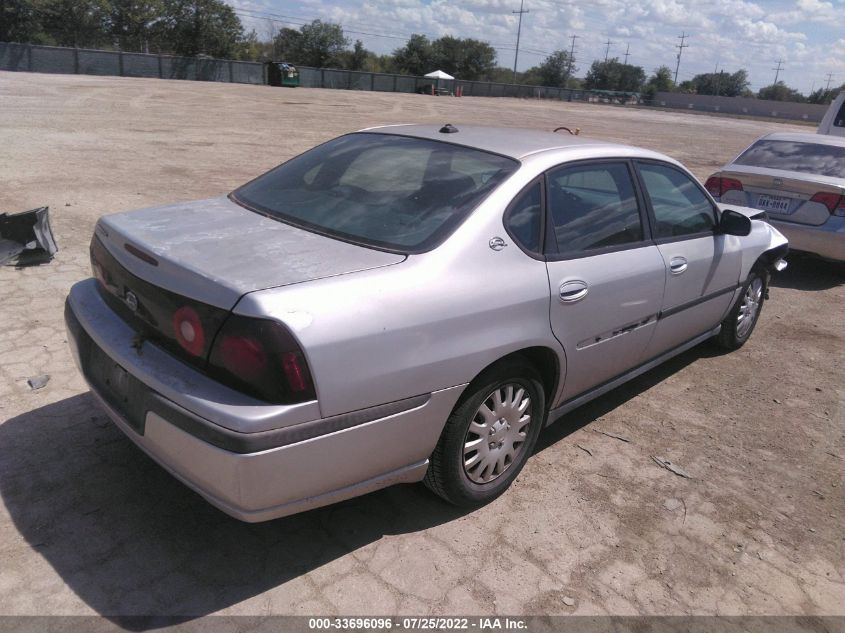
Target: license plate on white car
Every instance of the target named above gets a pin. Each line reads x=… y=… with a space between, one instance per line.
x=778 y=204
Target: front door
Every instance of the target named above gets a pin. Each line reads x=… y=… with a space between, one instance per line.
x=702 y=266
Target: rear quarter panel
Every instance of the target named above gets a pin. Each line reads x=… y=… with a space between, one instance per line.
x=431 y=322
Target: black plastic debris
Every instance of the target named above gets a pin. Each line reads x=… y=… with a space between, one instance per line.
x=27 y=237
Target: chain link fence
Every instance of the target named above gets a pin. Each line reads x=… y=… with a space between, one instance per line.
x=384 y=82
x=53 y=59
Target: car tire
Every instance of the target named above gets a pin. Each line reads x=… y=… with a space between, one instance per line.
x=742 y=318
x=486 y=440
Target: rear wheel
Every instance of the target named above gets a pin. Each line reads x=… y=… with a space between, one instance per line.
x=739 y=324
x=489 y=436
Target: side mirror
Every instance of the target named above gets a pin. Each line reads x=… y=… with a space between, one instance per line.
x=734 y=223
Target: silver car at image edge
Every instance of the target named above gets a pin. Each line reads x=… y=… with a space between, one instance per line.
x=799 y=181
x=404 y=303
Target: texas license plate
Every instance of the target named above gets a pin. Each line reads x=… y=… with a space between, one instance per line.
x=778 y=204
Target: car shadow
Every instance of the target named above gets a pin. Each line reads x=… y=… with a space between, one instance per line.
x=592 y=411
x=132 y=541
x=805 y=272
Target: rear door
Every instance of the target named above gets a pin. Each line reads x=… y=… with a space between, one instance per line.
x=606 y=277
x=702 y=266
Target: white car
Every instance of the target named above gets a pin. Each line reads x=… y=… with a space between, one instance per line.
x=799 y=181
x=833 y=122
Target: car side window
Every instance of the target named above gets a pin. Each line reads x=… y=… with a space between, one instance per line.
x=679 y=205
x=593 y=206
x=524 y=216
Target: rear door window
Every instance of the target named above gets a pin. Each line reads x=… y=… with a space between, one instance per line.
x=593 y=206
x=524 y=216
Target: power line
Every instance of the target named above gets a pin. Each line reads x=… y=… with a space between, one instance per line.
x=626 y=53
x=291 y=20
x=829 y=77
x=683 y=36
x=522 y=10
x=777 y=71
x=607 y=50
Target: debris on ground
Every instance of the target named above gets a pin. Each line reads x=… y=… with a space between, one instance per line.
x=569 y=602
x=27 y=237
x=665 y=463
x=672 y=504
x=38 y=382
x=613 y=435
x=585 y=449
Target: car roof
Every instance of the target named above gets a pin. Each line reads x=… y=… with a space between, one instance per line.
x=802 y=137
x=507 y=141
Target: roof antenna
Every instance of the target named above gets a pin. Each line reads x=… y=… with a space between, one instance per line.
x=575 y=133
x=448 y=129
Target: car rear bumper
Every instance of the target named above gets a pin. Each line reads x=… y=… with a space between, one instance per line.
x=268 y=474
x=826 y=240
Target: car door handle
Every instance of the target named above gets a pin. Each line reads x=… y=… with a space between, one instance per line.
x=572 y=291
x=677 y=265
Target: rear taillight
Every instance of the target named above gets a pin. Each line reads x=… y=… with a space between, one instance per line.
x=718 y=186
x=834 y=202
x=261 y=357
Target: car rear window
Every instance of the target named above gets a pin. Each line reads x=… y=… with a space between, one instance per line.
x=806 y=158
x=382 y=190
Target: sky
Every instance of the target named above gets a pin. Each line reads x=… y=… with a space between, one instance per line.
x=806 y=36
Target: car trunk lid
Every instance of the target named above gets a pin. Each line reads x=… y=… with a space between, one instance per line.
x=215 y=251
x=784 y=195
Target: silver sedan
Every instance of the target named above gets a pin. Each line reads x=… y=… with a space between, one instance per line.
x=404 y=303
x=799 y=181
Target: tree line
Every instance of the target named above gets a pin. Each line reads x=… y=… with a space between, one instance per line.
x=179 y=27
x=213 y=28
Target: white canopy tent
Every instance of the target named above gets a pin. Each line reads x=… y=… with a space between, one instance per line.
x=438 y=74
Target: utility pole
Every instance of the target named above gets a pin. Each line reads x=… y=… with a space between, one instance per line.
x=777 y=71
x=607 y=50
x=572 y=55
x=683 y=36
x=628 y=48
x=518 y=33
x=829 y=77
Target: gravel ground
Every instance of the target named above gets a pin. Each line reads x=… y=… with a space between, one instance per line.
x=89 y=525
